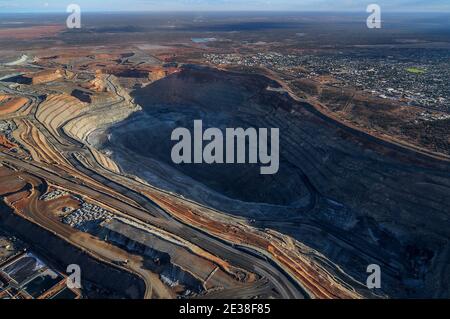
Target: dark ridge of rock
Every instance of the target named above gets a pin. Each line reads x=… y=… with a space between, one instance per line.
x=83 y=96
x=132 y=73
x=156 y=261
x=19 y=79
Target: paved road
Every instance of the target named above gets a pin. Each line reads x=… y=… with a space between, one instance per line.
x=151 y=213
x=237 y=256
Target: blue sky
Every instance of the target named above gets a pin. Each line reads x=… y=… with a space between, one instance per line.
x=213 y=5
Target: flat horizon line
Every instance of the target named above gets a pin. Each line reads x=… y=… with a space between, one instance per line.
x=225 y=11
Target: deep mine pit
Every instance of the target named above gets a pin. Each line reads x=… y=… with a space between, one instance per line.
x=221 y=100
x=331 y=178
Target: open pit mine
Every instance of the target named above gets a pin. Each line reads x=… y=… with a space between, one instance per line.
x=86 y=178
